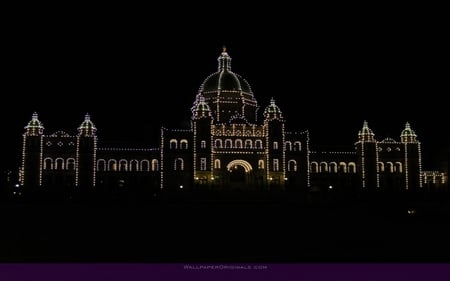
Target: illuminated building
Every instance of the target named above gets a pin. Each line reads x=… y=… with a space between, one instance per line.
x=229 y=145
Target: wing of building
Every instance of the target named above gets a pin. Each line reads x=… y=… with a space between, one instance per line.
x=230 y=145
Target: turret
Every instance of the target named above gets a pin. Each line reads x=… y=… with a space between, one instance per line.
x=86 y=153
x=367 y=152
x=412 y=158
x=31 y=170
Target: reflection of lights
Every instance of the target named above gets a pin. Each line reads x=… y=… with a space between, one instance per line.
x=270 y=178
x=181 y=186
x=212 y=178
x=411 y=212
x=196 y=178
x=330 y=187
x=285 y=179
x=17 y=185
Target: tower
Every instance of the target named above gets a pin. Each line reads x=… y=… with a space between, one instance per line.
x=275 y=152
x=202 y=141
x=366 y=149
x=86 y=153
x=412 y=158
x=32 y=149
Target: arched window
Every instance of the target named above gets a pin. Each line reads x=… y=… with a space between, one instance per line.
x=314 y=167
x=48 y=164
x=112 y=165
x=173 y=144
x=333 y=167
x=218 y=143
x=275 y=145
x=101 y=165
x=343 y=167
x=276 y=165
x=70 y=164
x=203 y=144
x=238 y=143
x=134 y=165
x=258 y=144
x=352 y=167
x=203 y=164
x=123 y=165
x=292 y=165
x=381 y=167
x=389 y=167
x=155 y=165
x=179 y=164
x=288 y=145
x=59 y=164
x=248 y=144
x=217 y=164
x=145 y=165
x=398 y=167
x=228 y=143
x=297 y=146
x=260 y=164
x=184 y=144
x=323 y=167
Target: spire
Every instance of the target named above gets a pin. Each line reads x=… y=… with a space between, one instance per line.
x=366 y=134
x=272 y=111
x=224 y=60
x=408 y=135
x=34 y=127
x=87 y=128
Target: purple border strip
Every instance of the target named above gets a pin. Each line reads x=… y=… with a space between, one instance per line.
x=226 y=271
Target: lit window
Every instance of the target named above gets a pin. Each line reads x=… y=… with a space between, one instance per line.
x=292 y=165
x=203 y=144
x=155 y=165
x=276 y=166
x=202 y=164
x=173 y=144
x=70 y=164
x=275 y=145
x=261 y=164
x=217 y=164
x=184 y=144
x=179 y=164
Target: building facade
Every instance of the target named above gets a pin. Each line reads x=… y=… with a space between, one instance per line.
x=228 y=146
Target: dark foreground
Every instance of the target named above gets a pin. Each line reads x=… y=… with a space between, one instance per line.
x=231 y=227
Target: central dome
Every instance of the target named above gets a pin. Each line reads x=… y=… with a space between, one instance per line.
x=228 y=94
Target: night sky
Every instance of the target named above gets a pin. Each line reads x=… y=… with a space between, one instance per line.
x=328 y=70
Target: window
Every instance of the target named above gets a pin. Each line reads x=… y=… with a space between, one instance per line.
x=258 y=144
x=203 y=144
x=173 y=144
x=59 y=164
x=398 y=167
x=202 y=164
x=314 y=167
x=343 y=167
x=179 y=164
x=217 y=164
x=133 y=165
x=323 y=167
x=276 y=166
x=261 y=164
x=228 y=143
x=184 y=144
x=288 y=146
x=297 y=146
x=380 y=167
x=333 y=167
x=112 y=165
x=218 y=143
x=123 y=165
x=155 y=165
x=48 y=164
x=292 y=165
x=248 y=143
x=101 y=165
x=390 y=167
x=70 y=164
x=352 y=167
x=238 y=143
x=275 y=145
x=145 y=165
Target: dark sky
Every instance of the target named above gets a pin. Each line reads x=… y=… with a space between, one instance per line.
x=329 y=70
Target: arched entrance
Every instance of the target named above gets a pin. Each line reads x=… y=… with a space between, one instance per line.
x=238 y=171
